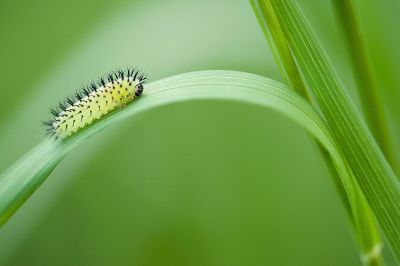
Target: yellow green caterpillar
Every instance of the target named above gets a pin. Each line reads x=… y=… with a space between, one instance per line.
x=95 y=101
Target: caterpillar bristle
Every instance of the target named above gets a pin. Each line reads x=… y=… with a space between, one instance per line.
x=102 y=82
x=85 y=91
x=121 y=74
x=51 y=134
x=47 y=123
x=62 y=106
x=92 y=87
x=110 y=77
x=70 y=101
x=78 y=96
x=53 y=112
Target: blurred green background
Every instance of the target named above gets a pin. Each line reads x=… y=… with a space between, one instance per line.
x=198 y=183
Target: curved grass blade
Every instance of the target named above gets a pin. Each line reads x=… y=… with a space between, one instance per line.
x=25 y=176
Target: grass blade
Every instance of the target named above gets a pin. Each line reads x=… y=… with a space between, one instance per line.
x=367 y=233
x=368 y=90
x=375 y=176
x=279 y=46
x=25 y=176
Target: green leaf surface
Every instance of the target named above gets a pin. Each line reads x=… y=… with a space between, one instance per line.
x=359 y=213
x=26 y=175
x=369 y=91
x=376 y=178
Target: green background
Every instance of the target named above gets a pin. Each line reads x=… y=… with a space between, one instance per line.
x=197 y=183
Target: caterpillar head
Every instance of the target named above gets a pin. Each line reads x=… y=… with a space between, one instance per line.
x=139 y=89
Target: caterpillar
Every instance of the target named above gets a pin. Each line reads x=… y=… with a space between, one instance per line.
x=94 y=101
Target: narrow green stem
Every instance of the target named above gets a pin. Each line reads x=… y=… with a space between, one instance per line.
x=374 y=175
x=279 y=46
x=291 y=75
x=371 y=100
x=358 y=211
